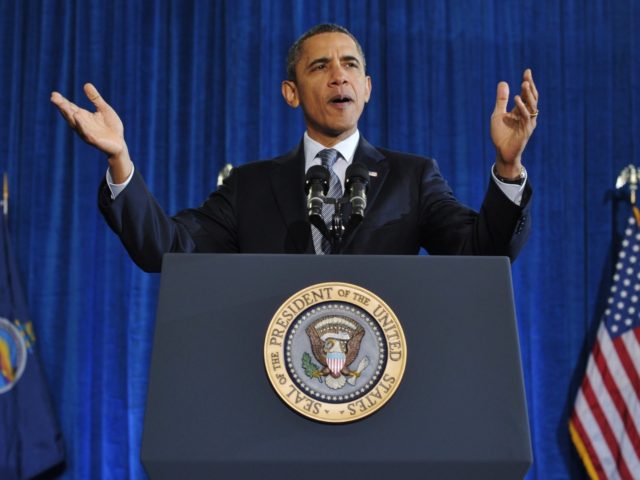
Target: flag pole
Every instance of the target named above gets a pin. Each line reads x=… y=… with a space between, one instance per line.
x=5 y=194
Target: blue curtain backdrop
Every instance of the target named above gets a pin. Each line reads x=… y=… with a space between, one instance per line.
x=197 y=85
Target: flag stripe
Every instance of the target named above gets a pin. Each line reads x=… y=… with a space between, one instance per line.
x=600 y=415
x=616 y=415
x=633 y=349
x=627 y=364
x=620 y=422
x=616 y=382
x=593 y=436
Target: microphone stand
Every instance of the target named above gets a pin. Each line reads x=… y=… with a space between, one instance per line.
x=356 y=183
x=335 y=232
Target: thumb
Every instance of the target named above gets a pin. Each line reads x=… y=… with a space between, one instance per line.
x=502 y=97
x=92 y=94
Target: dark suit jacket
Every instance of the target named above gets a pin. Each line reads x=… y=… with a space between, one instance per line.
x=261 y=208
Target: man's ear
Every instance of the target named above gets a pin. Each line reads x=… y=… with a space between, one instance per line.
x=290 y=93
x=367 y=90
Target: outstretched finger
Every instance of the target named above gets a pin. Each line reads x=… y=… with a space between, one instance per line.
x=92 y=94
x=61 y=102
x=57 y=98
x=502 y=97
x=66 y=107
x=528 y=76
x=522 y=110
x=529 y=98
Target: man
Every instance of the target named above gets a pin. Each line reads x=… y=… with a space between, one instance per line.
x=261 y=207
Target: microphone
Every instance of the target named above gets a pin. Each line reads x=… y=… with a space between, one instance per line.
x=357 y=185
x=316 y=186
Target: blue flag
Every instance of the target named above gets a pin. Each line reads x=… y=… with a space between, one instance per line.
x=30 y=439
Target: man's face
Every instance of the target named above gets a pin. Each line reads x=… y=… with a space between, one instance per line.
x=331 y=86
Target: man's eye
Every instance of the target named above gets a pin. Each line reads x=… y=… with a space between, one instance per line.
x=318 y=67
x=351 y=65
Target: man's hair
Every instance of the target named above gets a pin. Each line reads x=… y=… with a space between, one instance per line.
x=296 y=49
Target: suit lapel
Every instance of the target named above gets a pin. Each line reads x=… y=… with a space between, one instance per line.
x=369 y=156
x=287 y=181
x=378 y=170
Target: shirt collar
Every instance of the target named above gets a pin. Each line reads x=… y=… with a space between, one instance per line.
x=346 y=147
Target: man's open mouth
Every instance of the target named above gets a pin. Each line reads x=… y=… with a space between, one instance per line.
x=338 y=99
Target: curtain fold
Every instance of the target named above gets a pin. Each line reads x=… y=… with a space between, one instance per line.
x=197 y=85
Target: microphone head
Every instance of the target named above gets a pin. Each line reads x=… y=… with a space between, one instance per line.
x=355 y=172
x=317 y=174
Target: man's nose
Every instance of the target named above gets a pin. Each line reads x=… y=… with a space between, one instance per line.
x=338 y=74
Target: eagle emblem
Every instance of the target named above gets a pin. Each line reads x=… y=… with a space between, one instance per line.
x=335 y=343
x=335 y=352
x=13 y=354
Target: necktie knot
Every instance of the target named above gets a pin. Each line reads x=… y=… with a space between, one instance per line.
x=328 y=156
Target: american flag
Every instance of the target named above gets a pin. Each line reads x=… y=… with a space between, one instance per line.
x=605 y=423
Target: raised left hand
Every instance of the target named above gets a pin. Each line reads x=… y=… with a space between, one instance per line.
x=510 y=131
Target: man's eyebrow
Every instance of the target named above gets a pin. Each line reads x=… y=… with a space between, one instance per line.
x=323 y=60
x=318 y=61
x=350 y=58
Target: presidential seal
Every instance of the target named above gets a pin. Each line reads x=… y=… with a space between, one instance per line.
x=13 y=355
x=335 y=352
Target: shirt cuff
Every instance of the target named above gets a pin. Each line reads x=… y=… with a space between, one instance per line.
x=117 y=188
x=512 y=191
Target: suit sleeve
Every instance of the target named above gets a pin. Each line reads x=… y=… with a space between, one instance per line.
x=147 y=232
x=500 y=227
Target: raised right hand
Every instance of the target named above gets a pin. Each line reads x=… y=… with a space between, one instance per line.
x=103 y=129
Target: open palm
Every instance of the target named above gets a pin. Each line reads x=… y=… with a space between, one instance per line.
x=510 y=131
x=103 y=128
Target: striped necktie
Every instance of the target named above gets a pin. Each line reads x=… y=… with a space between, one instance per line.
x=328 y=157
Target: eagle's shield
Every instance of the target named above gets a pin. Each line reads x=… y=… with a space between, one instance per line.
x=335 y=362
